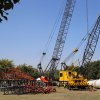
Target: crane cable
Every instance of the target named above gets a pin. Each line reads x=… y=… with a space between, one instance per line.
x=87 y=24
x=83 y=39
x=54 y=27
x=87 y=17
x=52 y=32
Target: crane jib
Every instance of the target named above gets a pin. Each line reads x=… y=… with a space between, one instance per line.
x=61 y=38
x=92 y=43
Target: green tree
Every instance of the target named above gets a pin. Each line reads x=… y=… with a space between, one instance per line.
x=56 y=75
x=4 y=6
x=5 y=63
x=29 y=70
x=91 y=71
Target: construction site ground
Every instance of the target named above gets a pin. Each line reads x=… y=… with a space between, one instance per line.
x=61 y=94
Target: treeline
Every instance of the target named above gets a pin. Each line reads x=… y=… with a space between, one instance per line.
x=5 y=63
x=90 y=72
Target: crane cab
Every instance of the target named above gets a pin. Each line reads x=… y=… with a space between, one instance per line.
x=65 y=76
x=71 y=79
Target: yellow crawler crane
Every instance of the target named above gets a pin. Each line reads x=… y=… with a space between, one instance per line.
x=72 y=80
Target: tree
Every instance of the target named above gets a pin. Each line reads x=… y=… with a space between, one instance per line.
x=56 y=75
x=29 y=70
x=5 y=63
x=91 y=71
x=4 y=6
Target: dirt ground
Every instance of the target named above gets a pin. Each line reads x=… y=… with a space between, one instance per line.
x=61 y=94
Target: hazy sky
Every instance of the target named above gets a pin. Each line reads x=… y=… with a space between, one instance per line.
x=24 y=35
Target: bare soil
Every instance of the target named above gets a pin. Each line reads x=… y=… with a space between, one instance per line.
x=61 y=94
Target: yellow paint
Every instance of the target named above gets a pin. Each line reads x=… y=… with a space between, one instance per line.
x=72 y=78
